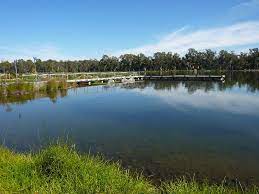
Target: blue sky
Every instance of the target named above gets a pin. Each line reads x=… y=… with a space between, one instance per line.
x=78 y=29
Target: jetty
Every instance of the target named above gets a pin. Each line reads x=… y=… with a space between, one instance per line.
x=187 y=77
x=85 y=78
x=218 y=78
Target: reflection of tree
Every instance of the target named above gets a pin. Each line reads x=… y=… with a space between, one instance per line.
x=8 y=108
x=250 y=80
x=240 y=79
x=63 y=93
x=16 y=98
x=194 y=86
x=22 y=98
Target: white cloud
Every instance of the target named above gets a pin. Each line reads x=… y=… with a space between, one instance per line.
x=240 y=34
x=243 y=103
x=233 y=37
x=245 y=9
x=42 y=51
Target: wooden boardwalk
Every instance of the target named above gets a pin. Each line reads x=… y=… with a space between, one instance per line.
x=219 y=78
x=187 y=77
x=85 y=78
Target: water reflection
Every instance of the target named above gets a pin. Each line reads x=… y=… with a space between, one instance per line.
x=163 y=129
x=8 y=100
x=211 y=96
x=248 y=79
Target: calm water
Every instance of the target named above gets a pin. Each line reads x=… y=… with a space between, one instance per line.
x=164 y=129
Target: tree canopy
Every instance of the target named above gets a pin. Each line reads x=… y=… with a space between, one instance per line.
x=193 y=59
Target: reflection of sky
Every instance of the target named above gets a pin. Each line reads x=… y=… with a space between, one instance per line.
x=235 y=100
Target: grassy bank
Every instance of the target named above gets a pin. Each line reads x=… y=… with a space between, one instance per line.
x=60 y=169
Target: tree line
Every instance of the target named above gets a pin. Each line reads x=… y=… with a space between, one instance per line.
x=160 y=61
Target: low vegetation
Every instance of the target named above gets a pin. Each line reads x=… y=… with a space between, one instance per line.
x=60 y=169
x=21 y=87
x=22 y=91
x=53 y=85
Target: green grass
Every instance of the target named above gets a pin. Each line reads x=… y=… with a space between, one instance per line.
x=60 y=169
x=181 y=186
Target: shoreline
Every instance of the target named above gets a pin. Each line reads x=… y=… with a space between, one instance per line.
x=59 y=168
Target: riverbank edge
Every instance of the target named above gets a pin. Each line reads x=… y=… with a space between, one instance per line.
x=61 y=169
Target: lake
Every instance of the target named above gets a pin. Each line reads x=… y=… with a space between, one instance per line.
x=161 y=128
